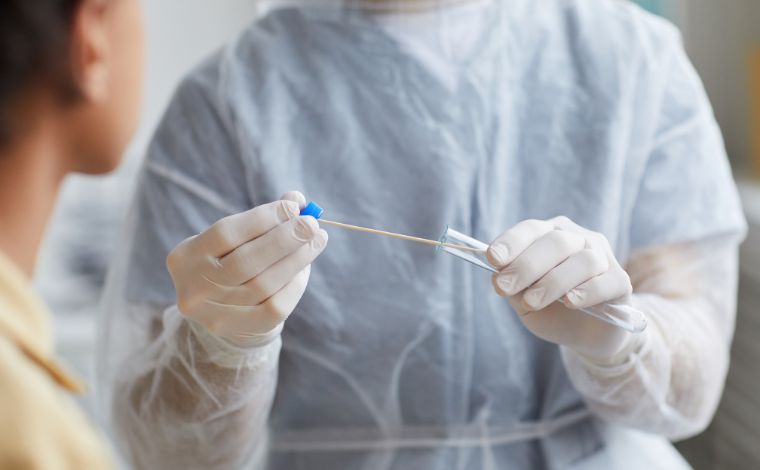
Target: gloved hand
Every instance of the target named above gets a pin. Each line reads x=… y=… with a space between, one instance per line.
x=243 y=277
x=541 y=262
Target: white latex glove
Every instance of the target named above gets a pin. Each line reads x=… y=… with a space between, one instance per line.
x=541 y=262
x=243 y=277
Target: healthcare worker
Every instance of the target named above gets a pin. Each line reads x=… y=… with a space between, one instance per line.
x=70 y=76
x=575 y=134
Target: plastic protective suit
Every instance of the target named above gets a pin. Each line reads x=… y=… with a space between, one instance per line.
x=473 y=114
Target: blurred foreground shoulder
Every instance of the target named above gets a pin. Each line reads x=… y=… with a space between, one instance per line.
x=41 y=428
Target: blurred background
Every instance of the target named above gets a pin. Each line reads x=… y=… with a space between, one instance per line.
x=723 y=40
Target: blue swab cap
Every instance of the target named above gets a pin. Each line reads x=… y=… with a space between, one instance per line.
x=313 y=210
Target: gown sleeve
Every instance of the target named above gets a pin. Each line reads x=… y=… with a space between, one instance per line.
x=686 y=228
x=176 y=396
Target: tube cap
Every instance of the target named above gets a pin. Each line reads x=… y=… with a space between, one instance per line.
x=313 y=210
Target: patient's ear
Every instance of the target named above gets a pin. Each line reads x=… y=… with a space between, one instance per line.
x=90 y=51
x=106 y=54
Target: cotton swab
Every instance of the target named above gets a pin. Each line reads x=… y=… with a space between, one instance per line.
x=399 y=236
x=315 y=211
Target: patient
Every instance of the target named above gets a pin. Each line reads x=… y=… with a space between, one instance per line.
x=69 y=94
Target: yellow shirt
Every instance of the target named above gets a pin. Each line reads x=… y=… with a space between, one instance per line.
x=40 y=425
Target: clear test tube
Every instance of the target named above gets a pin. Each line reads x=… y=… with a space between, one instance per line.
x=623 y=316
x=478 y=258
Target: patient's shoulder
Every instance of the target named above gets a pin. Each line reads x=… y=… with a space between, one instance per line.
x=42 y=427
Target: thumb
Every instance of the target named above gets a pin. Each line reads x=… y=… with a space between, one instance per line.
x=296 y=197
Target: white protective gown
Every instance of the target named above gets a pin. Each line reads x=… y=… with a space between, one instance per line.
x=472 y=114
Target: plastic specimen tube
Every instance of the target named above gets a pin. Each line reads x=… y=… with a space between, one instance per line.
x=478 y=258
x=622 y=316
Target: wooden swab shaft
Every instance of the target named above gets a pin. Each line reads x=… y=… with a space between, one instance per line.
x=399 y=236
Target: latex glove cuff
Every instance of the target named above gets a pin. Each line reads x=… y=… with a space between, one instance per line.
x=225 y=354
x=618 y=363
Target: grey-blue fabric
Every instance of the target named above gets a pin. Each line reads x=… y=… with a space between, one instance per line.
x=399 y=357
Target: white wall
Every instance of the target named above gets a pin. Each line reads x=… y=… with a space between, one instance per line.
x=179 y=34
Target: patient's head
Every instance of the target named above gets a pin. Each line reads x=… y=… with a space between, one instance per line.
x=72 y=73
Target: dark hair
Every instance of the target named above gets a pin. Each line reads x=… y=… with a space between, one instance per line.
x=34 y=39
